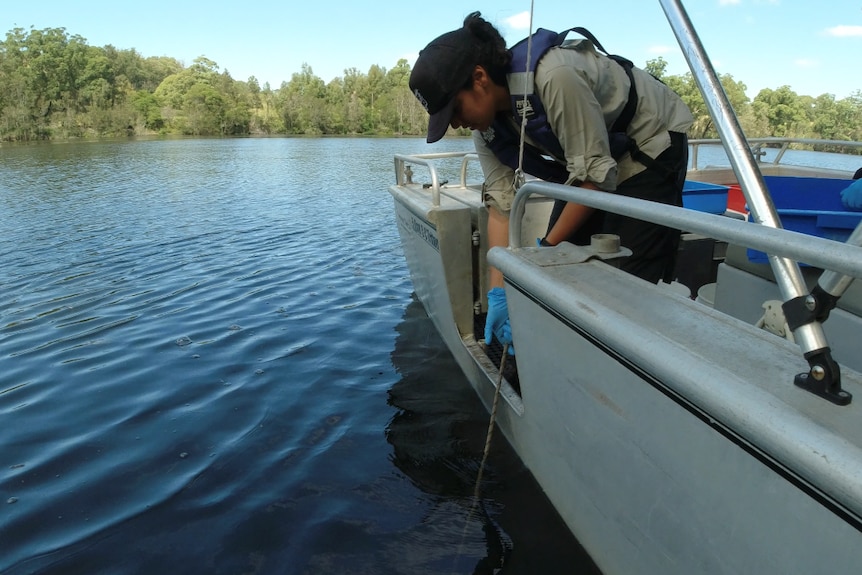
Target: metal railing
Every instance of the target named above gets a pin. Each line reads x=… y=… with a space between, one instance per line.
x=403 y=161
x=787 y=274
x=757 y=145
x=820 y=252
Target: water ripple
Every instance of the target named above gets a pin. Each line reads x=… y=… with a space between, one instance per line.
x=197 y=341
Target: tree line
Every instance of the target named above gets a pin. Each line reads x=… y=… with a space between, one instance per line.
x=55 y=85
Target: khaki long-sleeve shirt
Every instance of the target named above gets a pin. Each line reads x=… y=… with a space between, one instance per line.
x=583 y=93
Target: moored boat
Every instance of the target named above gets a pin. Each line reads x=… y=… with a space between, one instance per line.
x=673 y=434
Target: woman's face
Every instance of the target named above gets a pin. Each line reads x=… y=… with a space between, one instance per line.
x=476 y=107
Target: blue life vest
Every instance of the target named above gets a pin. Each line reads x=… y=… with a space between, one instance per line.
x=504 y=140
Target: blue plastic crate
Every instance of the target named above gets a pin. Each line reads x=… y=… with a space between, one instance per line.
x=811 y=206
x=704 y=197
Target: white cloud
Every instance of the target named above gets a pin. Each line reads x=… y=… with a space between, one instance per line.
x=519 y=21
x=728 y=2
x=844 y=31
x=807 y=63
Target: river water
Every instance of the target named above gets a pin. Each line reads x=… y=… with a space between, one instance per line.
x=211 y=361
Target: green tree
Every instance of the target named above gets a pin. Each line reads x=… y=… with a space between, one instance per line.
x=687 y=89
x=154 y=70
x=202 y=101
x=53 y=84
x=657 y=67
x=403 y=109
x=373 y=88
x=299 y=102
x=784 y=111
x=203 y=109
x=265 y=118
x=334 y=112
x=148 y=111
x=353 y=103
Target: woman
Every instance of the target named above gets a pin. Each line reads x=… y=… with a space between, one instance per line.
x=581 y=103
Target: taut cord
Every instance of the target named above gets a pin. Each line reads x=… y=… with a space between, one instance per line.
x=519 y=173
x=491 y=424
x=487 y=450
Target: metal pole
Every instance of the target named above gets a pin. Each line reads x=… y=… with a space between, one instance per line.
x=787 y=275
x=833 y=282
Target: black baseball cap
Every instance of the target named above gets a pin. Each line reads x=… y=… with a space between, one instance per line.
x=440 y=72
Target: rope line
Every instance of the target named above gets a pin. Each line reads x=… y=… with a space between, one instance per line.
x=486 y=451
x=519 y=173
x=491 y=423
x=517 y=183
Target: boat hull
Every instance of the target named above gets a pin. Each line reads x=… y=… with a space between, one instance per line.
x=669 y=436
x=651 y=480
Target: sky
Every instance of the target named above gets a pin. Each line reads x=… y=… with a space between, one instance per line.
x=761 y=43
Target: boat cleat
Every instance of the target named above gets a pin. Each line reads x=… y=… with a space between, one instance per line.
x=605 y=247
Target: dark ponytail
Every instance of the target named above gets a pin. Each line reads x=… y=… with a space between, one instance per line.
x=493 y=54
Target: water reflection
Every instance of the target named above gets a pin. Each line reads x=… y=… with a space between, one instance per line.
x=196 y=344
x=438 y=436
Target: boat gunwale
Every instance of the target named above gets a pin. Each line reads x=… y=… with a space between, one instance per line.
x=725 y=392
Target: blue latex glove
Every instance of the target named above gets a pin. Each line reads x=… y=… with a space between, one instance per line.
x=497 y=322
x=851 y=196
